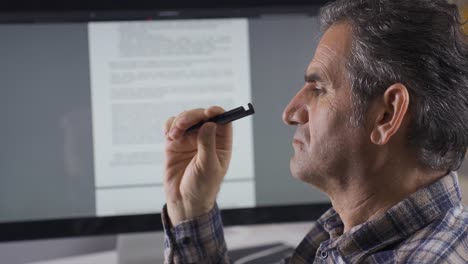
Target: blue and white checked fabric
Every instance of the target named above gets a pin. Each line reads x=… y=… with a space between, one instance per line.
x=429 y=226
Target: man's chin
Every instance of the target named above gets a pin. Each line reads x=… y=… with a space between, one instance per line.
x=297 y=171
x=303 y=174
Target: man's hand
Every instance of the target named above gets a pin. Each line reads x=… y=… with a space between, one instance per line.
x=196 y=163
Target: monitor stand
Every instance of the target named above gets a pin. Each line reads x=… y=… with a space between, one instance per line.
x=140 y=248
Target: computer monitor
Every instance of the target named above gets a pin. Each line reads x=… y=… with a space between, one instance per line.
x=84 y=94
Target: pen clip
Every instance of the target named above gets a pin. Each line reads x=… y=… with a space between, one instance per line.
x=234 y=114
x=226 y=117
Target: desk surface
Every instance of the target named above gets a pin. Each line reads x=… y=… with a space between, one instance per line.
x=236 y=237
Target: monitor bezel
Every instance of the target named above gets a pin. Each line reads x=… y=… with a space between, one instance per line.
x=95 y=226
x=34 y=6
x=86 y=11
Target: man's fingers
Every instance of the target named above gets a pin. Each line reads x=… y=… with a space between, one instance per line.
x=184 y=121
x=213 y=111
x=189 y=118
x=207 y=136
x=224 y=131
x=168 y=125
x=207 y=143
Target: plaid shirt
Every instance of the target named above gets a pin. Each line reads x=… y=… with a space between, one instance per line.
x=429 y=226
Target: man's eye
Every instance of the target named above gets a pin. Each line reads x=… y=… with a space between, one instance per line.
x=317 y=91
x=314 y=88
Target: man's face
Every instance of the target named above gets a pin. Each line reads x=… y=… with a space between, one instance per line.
x=325 y=142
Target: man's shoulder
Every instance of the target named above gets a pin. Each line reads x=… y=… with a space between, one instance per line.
x=445 y=240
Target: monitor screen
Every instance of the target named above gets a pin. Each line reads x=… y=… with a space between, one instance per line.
x=82 y=105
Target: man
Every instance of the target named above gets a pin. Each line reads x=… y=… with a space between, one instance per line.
x=382 y=124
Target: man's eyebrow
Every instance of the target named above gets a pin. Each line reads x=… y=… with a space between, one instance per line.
x=313 y=77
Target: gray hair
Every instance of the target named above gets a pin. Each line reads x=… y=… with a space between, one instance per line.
x=420 y=44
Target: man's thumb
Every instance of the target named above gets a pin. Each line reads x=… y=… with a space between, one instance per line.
x=207 y=142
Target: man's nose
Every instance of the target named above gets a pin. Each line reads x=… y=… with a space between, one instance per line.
x=296 y=112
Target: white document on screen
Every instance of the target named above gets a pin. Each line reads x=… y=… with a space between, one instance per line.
x=144 y=72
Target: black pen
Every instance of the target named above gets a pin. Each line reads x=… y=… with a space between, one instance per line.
x=225 y=117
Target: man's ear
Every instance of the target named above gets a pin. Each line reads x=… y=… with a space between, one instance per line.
x=391 y=110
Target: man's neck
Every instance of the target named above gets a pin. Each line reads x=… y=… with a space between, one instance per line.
x=366 y=196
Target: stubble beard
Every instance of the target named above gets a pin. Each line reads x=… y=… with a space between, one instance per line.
x=308 y=170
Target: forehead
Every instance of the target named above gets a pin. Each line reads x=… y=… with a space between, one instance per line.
x=332 y=50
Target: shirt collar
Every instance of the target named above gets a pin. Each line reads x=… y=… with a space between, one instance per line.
x=411 y=214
